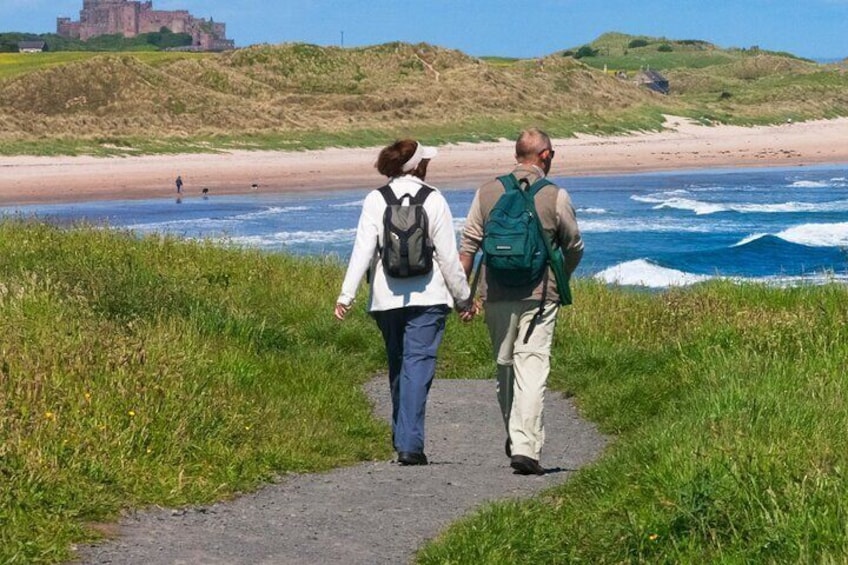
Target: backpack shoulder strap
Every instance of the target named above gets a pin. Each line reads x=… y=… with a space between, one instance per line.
x=539 y=185
x=389 y=195
x=421 y=195
x=509 y=182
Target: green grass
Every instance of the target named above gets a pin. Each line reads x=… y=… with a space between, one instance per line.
x=471 y=130
x=729 y=407
x=657 y=61
x=155 y=371
x=137 y=372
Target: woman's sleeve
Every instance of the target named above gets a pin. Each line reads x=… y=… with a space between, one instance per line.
x=364 y=247
x=446 y=256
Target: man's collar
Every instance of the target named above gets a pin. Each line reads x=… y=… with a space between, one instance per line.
x=531 y=168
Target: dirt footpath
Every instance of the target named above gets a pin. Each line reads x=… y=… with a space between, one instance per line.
x=377 y=512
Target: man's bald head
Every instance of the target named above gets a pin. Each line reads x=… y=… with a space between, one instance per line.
x=531 y=142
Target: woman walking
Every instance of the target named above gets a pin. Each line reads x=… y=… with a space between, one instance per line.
x=410 y=308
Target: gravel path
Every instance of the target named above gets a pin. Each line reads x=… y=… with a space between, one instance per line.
x=377 y=512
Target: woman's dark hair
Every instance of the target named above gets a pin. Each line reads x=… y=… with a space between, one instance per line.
x=391 y=159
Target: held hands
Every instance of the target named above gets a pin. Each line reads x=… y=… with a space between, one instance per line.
x=468 y=310
x=341 y=311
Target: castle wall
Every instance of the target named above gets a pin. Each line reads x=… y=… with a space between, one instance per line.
x=66 y=28
x=178 y=21
x=109 y=18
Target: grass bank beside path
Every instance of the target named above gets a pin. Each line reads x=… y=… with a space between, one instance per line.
x=729 y=403
x=156 y=371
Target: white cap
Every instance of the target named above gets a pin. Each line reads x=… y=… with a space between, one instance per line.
x=421 y=152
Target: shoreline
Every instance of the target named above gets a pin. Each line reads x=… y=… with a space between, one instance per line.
x=682 y=145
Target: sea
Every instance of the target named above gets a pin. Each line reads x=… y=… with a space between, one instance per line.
x=778 y=226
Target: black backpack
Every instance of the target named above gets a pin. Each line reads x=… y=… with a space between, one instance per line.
x=407 y=248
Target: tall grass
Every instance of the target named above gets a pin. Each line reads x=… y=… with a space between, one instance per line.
x=729 y=406
x=152 y=371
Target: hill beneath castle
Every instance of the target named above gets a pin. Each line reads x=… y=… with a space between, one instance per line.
x=297 y=96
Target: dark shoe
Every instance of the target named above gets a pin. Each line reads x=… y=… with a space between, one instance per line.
x=411 y=458
x=508 y=447
x=525 y=465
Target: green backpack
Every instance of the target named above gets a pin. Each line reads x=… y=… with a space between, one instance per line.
x=516 y=250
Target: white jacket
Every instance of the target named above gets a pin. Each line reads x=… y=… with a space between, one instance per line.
x=443 y=285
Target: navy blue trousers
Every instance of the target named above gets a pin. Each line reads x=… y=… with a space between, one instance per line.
x=412 y=336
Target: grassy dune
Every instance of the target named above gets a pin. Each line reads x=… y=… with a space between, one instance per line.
x=155 y=371
x=297 y=96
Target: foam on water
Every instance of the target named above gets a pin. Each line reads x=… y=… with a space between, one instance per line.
x=660 y=225
x=177 y=226
x=817 y=235
x=811 y=235
x=701 y=208
x=810 y=184
x=269 y=212
x=288 y=238
x=641 y=272
x=352 y=204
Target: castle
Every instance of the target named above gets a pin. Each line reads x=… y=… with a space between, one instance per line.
x=130 y=18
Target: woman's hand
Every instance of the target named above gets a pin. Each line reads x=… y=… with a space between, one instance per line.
x=341 y=311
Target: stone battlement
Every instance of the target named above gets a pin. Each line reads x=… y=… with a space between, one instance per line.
x=130 y=18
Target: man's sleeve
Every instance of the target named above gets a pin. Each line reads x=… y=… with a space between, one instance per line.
x=472 y=233
x=568 y=232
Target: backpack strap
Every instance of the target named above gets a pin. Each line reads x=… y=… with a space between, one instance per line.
x=529 y=194
x=421 y=195
x=389 y=195
x=419 y=198
x=510 y=182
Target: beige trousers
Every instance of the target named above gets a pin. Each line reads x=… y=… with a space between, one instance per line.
x=522 y=369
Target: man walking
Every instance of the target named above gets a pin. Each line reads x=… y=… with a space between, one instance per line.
x=521 y=318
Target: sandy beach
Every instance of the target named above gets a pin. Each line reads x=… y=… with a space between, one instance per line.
x=682 y=145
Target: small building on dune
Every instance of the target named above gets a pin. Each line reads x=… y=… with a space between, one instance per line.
x=653 y=80
x=30 y=46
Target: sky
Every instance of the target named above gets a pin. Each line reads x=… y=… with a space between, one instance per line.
x=816 y=29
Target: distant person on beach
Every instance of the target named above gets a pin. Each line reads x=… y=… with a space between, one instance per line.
x=521 y=317
x=410 y=311
x=179 y=184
